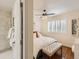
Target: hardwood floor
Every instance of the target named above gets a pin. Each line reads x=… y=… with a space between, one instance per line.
x=66 y=54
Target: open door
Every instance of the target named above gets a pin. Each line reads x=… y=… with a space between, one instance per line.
x=18 y=30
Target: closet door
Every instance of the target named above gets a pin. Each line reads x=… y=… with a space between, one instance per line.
x=17 y=30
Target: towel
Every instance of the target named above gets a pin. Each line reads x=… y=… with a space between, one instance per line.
x=10 y=33
x=11 y=37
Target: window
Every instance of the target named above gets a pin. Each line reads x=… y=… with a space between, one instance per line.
x=57 y=26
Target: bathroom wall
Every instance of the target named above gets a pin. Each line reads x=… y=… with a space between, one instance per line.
x=4 y=28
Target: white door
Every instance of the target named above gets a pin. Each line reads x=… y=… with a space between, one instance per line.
x=17 y=30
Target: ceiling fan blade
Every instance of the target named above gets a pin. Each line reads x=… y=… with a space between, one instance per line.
x=51 y=14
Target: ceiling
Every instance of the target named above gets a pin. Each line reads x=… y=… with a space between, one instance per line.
x=6 y=5
x=56 y=6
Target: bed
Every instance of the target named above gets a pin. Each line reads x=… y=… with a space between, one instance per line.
x=40 y=42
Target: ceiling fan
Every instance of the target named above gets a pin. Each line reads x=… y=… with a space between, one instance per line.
x=45 y=13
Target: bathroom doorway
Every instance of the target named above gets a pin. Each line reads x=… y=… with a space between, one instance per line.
x=11 y=29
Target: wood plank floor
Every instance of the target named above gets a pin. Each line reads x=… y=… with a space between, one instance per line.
x=66 y=54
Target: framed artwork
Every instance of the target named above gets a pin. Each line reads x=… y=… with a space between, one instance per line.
x=74 y=26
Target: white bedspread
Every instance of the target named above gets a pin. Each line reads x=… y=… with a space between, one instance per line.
x=40 y=43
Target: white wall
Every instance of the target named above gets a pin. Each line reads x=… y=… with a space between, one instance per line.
x=5 y=18
x=36 y=21
x=36 y=24
x=66 y=38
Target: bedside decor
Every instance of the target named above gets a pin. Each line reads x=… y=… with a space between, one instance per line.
x=75 y=27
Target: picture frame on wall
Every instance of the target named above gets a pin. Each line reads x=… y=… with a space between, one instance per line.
x=74 y=26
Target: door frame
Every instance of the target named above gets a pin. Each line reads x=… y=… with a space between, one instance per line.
x=27 y=29
x=21 y=42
